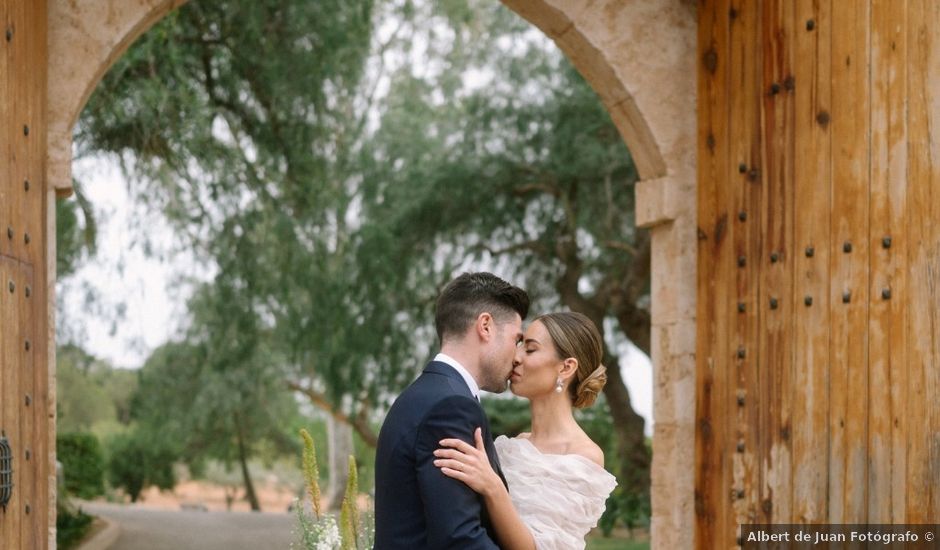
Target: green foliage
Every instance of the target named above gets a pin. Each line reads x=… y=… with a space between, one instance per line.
x=76 y=243
x=68 y=243
x=597 y=543
x=629 y=509
x=71 y=525
x=81 y=402
x=257 y=129
x=82 y=462
x=76 y=232
x=508 y=417
x=334 y=193
x=137 y=461
x=365 y=457
x=343 y=231
x=215 y=395
x=90 y=394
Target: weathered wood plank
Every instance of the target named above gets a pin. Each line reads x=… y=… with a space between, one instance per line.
x=6 y=315
x=888 y=184
x=11 y=403
x=35 y=143
x=21 y=73
x=712 y=479
x=919 y=233
x=929 y=281
x=6 y=94
x=897 y=200
x=24 y=388
x=745 y=161
x=776 y=286
x=916 y=501
x=813 y=96
x=17 y=51
x=25 y=400
x=36 y=361
x=9 y=526
x=850 y=261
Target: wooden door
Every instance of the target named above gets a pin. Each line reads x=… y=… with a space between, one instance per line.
x=24 y=421
x=818 y=351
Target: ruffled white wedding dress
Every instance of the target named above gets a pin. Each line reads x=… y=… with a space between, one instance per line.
x=559 y=497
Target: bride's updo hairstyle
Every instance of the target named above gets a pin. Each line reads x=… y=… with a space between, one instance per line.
x=574 y=335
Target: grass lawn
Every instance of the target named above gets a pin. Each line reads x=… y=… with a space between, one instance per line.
x=616 y=543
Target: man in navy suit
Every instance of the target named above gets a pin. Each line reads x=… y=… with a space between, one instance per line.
x=479 y=323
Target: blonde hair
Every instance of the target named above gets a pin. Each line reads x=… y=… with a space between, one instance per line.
x=575 y=335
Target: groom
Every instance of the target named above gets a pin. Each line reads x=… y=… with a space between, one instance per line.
x=479 y=324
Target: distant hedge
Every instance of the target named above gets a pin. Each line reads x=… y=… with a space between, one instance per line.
x=82 y=464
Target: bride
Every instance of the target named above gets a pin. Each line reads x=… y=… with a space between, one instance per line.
x=557 y=483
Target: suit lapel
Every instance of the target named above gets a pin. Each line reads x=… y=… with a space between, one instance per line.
x=491 y=448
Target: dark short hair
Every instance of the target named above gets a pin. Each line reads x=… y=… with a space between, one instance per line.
x=469 y=295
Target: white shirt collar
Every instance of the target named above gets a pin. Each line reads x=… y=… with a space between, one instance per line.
x=471 y=383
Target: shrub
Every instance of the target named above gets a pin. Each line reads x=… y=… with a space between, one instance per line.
x=135 y=463
x=71 y=526
x=82 y=463
x=628 y=509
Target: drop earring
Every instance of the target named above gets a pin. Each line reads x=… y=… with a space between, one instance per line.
x=559 y=385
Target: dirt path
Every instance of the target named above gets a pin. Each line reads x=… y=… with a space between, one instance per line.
x=150 y=529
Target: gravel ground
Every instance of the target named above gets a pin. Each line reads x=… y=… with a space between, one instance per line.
x=150 y=529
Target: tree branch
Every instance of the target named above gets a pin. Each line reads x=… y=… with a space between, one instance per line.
x=358 y=423
x=381 y=73
x=620 y=245
x=533 y=246
x=547 y=188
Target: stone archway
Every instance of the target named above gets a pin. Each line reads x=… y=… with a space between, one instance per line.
x=638 y=55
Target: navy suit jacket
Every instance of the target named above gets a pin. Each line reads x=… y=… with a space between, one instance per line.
x=416 y=506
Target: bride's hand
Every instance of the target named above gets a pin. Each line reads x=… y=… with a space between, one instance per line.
x=459 y=460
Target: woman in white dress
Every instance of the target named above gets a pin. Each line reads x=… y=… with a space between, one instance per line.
x=558 y=486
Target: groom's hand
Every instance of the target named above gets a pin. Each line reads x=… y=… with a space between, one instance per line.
x=471 y=465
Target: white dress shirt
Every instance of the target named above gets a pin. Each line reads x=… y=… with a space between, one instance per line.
x=471 y=383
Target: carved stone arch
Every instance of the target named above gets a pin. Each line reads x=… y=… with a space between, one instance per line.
x=85 y=39
x=615 y=44
x=638 y=55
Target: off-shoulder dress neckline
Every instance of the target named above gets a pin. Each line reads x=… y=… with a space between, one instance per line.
x=575 y=456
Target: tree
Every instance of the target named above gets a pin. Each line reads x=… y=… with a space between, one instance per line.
x=248 y=158
x=82 y=462
x=138 y=461
x=541 y=186
x=213 y=396
x=80 y=402
x=91 y=395
x=315 y=164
